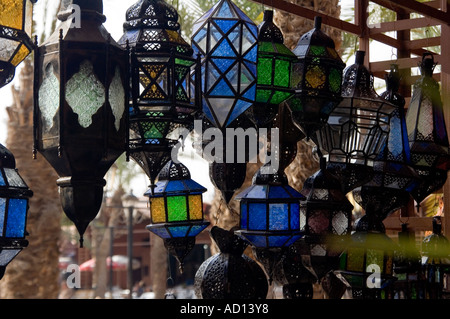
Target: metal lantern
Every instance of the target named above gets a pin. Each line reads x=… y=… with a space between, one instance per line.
x=325 y=218
x=230 y=274
x=226 y=39
x=317 y=80
x=80 y=122
x=16 y=19
x=162 y=99
x=357 y=128
x=14 y=197
x=274 y=69
x=427 y=133
x=176 y=209
x=393 y=177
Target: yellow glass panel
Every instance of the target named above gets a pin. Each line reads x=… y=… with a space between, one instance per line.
x=20 y=55
x=11 y=13
x=315 y=77
x=195 y=207
x=355 y=259
x=158 y=210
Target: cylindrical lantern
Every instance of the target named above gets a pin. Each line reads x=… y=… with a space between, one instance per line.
x=16 y=20
x=80 y=122
x=317 y=80
x=176 y=209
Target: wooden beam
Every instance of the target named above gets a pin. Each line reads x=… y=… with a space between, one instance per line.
x=403 y=25
x=422 y=43
x=414 y=223
x=404 y=63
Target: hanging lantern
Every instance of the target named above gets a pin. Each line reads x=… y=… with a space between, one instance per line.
x=325 y=219
x=16 y=20
x=230 y=274
x=274 y=68
x=317 y=80
x=14 y=197
x=176 y=209
x=162 y=99
x=80 y=122
x=436 y=262
x=393 y=177
x=427 y=132
x=356 y=129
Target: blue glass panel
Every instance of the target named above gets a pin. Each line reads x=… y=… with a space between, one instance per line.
x=193 y=186
x=2 y=214
x=252 y=54
x=208 y=114
x=253 y=28
x=257 y=241
x=200 y=39
x=15 y=223
x=395 y=138
x=223 y=49
x=175 y=187
x=195 y=230
x=2 y=180
x=278 y=217
x=160 y=187
x=161 y=232
x=278 y=241
x=225 y=11
x=251 y=67
x=223 y=64
x=239 y=108
x=295 y=216
x=257 y=216
x=251 y=93
x=278 y=192
x=244 y=223
x=257 y=191
x=292 y=240
x=225 y=25
x=179 y=231
x=222 y=88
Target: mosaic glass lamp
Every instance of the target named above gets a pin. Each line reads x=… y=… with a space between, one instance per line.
x=14 y=197
x=162 y=99
x=357 y=128
x=317 y=80
x=226 y=40
x=274 y=68
x=427 y=133
x=80 y=122
x=16 y=19
x=176 y=209
x=393 y=176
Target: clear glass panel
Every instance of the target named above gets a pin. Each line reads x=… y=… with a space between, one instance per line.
x=13 y=178
x=176 y=207
x=49 y=97
x=7 y=255
x=15 y=223
x=11 y=13
x=85 y=93
x=7 y=49
x=29 y=18
x=221 y=108
x=117 y=98
x=158 y=210
x=340 y=223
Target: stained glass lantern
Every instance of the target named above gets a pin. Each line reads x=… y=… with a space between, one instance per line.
x=393 y=177
x=162 y=99
x=14 y=197
x=230 y=274
x=436 y=262
x=357 y=128
x=16 y=19
x=176 y=209
x=325 y=219
x=427 y=133
x=366 y=265
x=317 y=80
x=274 y=68
x=80 y=122
x=226 y=39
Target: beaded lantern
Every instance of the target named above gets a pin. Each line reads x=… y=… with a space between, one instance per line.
x=162 y=99
x=16 y=21
x=176 y=209
x=427 y=133
x=80 y=122
x=317 y=80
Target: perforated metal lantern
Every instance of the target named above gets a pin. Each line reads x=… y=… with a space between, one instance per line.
x=16 y=20
x=176 y=209
x=226 y=39
x=274 y=68
x=357 y=128
x=317 y=80
x=162 y=99
x=230 y=274
x=80 y=122
x=14 y=197
x=427 y=133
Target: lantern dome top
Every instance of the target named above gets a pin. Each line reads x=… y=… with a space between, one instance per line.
x=151 y=13
x=7 y=159
x=314 y=37
x=358 y=81
x=268 y=31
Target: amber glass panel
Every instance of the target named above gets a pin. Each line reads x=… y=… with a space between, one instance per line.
x=195 y=207
x=158 y=210
x=355 y=259
x=11 y=13
x=20 y=55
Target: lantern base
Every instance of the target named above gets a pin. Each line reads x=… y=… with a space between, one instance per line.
x=298 y=291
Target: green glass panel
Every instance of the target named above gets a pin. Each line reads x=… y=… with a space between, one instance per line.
x=263 y=96
x=279 y=96
x=264 y=71
x=335 y=79
x=282 y=68
x=265 y=47
x=184 y=62
x=153 y=132
x=296 y=105
x=375 y=256
x=317 y=50
x=282 y=49
x=355 y=259
x=176 y=207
